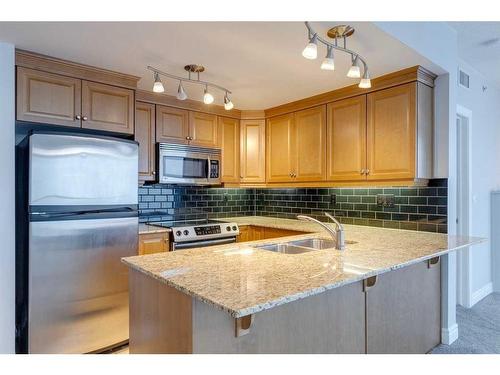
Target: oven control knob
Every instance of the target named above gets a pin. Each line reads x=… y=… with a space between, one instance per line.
x=228 y=228
x=178 y=233
x=186 y=232
x=234 y=227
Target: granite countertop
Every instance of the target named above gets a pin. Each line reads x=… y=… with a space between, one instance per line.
x=146 y=229
x=242 y=280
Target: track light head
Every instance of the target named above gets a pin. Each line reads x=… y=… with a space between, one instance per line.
x=228 y=104
x=207 y=97
x=158 y=86
x=311 y=50
x=365 y=82
x=354 y=71
x=181 y=94
x=328 y=63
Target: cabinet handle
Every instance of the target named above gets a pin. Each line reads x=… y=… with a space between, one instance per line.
x=84 y=118
x=367 y=171
x=78 y=117
x=369 y=283
x=153 y=173
x=294 y=175
x=363 y=171
x=291 y=175
x=187 y=137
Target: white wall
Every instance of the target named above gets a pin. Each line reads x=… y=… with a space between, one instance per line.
x=485 y=172
x=7 y=213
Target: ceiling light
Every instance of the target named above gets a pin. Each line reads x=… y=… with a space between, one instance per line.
x=328 y=63
x=354 y=71
x=158 y=86
x=228 y=104
x=365 y=82
x=207 y=97
x=181 y=94
x=311 y=50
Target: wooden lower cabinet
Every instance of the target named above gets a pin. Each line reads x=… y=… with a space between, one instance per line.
x=255 y=233
x=150 y=243
x=403 y=310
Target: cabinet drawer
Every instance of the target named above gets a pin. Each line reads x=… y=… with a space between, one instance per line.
x=151 y=243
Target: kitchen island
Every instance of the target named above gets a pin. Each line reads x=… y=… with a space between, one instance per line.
x=382 y=294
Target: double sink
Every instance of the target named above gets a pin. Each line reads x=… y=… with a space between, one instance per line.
x=301 y=246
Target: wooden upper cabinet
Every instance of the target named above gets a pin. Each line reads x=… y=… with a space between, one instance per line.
x=309 y=144
x=145 y=135
x=172 y=125
x=252 y=151
x=106 y=107
x=203 y=129
x=391 y=133
x=346 y=156
x=279 y=148
x=229 y=132
x=48 y=98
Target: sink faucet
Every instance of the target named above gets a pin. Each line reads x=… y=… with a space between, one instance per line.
x=337 y=234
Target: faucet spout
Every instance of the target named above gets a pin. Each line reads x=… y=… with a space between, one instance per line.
x=336 y=234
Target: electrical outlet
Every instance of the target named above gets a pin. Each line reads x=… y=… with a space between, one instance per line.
x=333 y=198
x=385 y=200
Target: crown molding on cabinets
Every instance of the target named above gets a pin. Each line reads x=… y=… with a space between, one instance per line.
x=67 y=68
x=415 y=73
x=253 y=114
x=192 y=105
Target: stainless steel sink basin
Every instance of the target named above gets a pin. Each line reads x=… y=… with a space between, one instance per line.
x=285 y=248
x=301 y=246
x=318 y=243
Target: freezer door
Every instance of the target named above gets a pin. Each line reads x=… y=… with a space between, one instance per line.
x=72 y=170
x=78 y=287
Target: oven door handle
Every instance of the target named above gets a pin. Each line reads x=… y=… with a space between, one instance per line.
x=193 y=244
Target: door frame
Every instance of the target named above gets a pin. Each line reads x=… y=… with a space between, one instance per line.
x=464 y=188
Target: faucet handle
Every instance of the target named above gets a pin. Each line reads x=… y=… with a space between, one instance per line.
x=339 y=226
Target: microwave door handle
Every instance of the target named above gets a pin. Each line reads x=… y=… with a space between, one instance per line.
x=208 y=169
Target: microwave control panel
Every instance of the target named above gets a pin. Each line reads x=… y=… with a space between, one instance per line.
x=214 y=169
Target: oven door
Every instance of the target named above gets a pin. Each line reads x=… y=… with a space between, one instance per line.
x=188 y=165
x=194 y=244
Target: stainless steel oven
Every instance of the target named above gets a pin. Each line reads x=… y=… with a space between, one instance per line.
x=188 y=165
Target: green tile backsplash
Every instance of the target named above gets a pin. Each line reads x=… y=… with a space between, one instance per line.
x=415 y=208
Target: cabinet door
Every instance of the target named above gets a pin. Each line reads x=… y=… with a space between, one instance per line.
x=172 y=125
x=252 y=151
x=153 y=243
x=203 y=129
x=309 y=144
x=403 y=310
x=346 y=149
x=244 y=235
x=229 y=131
x=279 y=159
x=145 y=135
x=106 y=107
x=391 y=133
x=48 y=98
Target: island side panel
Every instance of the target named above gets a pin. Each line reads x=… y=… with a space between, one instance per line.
x=330 y=322
x=160 y=317
x=403 y=310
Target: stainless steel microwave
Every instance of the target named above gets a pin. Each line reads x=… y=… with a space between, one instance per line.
x=188 y=165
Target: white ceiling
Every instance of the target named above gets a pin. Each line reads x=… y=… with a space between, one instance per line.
x=479 y=45
x=260 y=62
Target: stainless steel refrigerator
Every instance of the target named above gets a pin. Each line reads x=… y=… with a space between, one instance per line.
x=76 y=217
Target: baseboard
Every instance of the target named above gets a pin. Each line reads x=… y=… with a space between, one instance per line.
x=449 y=335
x=479 y=294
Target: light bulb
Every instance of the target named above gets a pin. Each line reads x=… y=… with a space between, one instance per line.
x=158 y=86
x=207 y=97
x=311 y=50
x=354 y=71
x=181 y=94
x=328 y=63
x=228 y=104
x=365 y=82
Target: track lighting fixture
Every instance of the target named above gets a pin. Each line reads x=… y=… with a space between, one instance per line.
x=158 y=86
x=181 y=94
x=311 y=50
x=328 y=63
x=208 y=98
x=228 y=104
x=339 y=32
